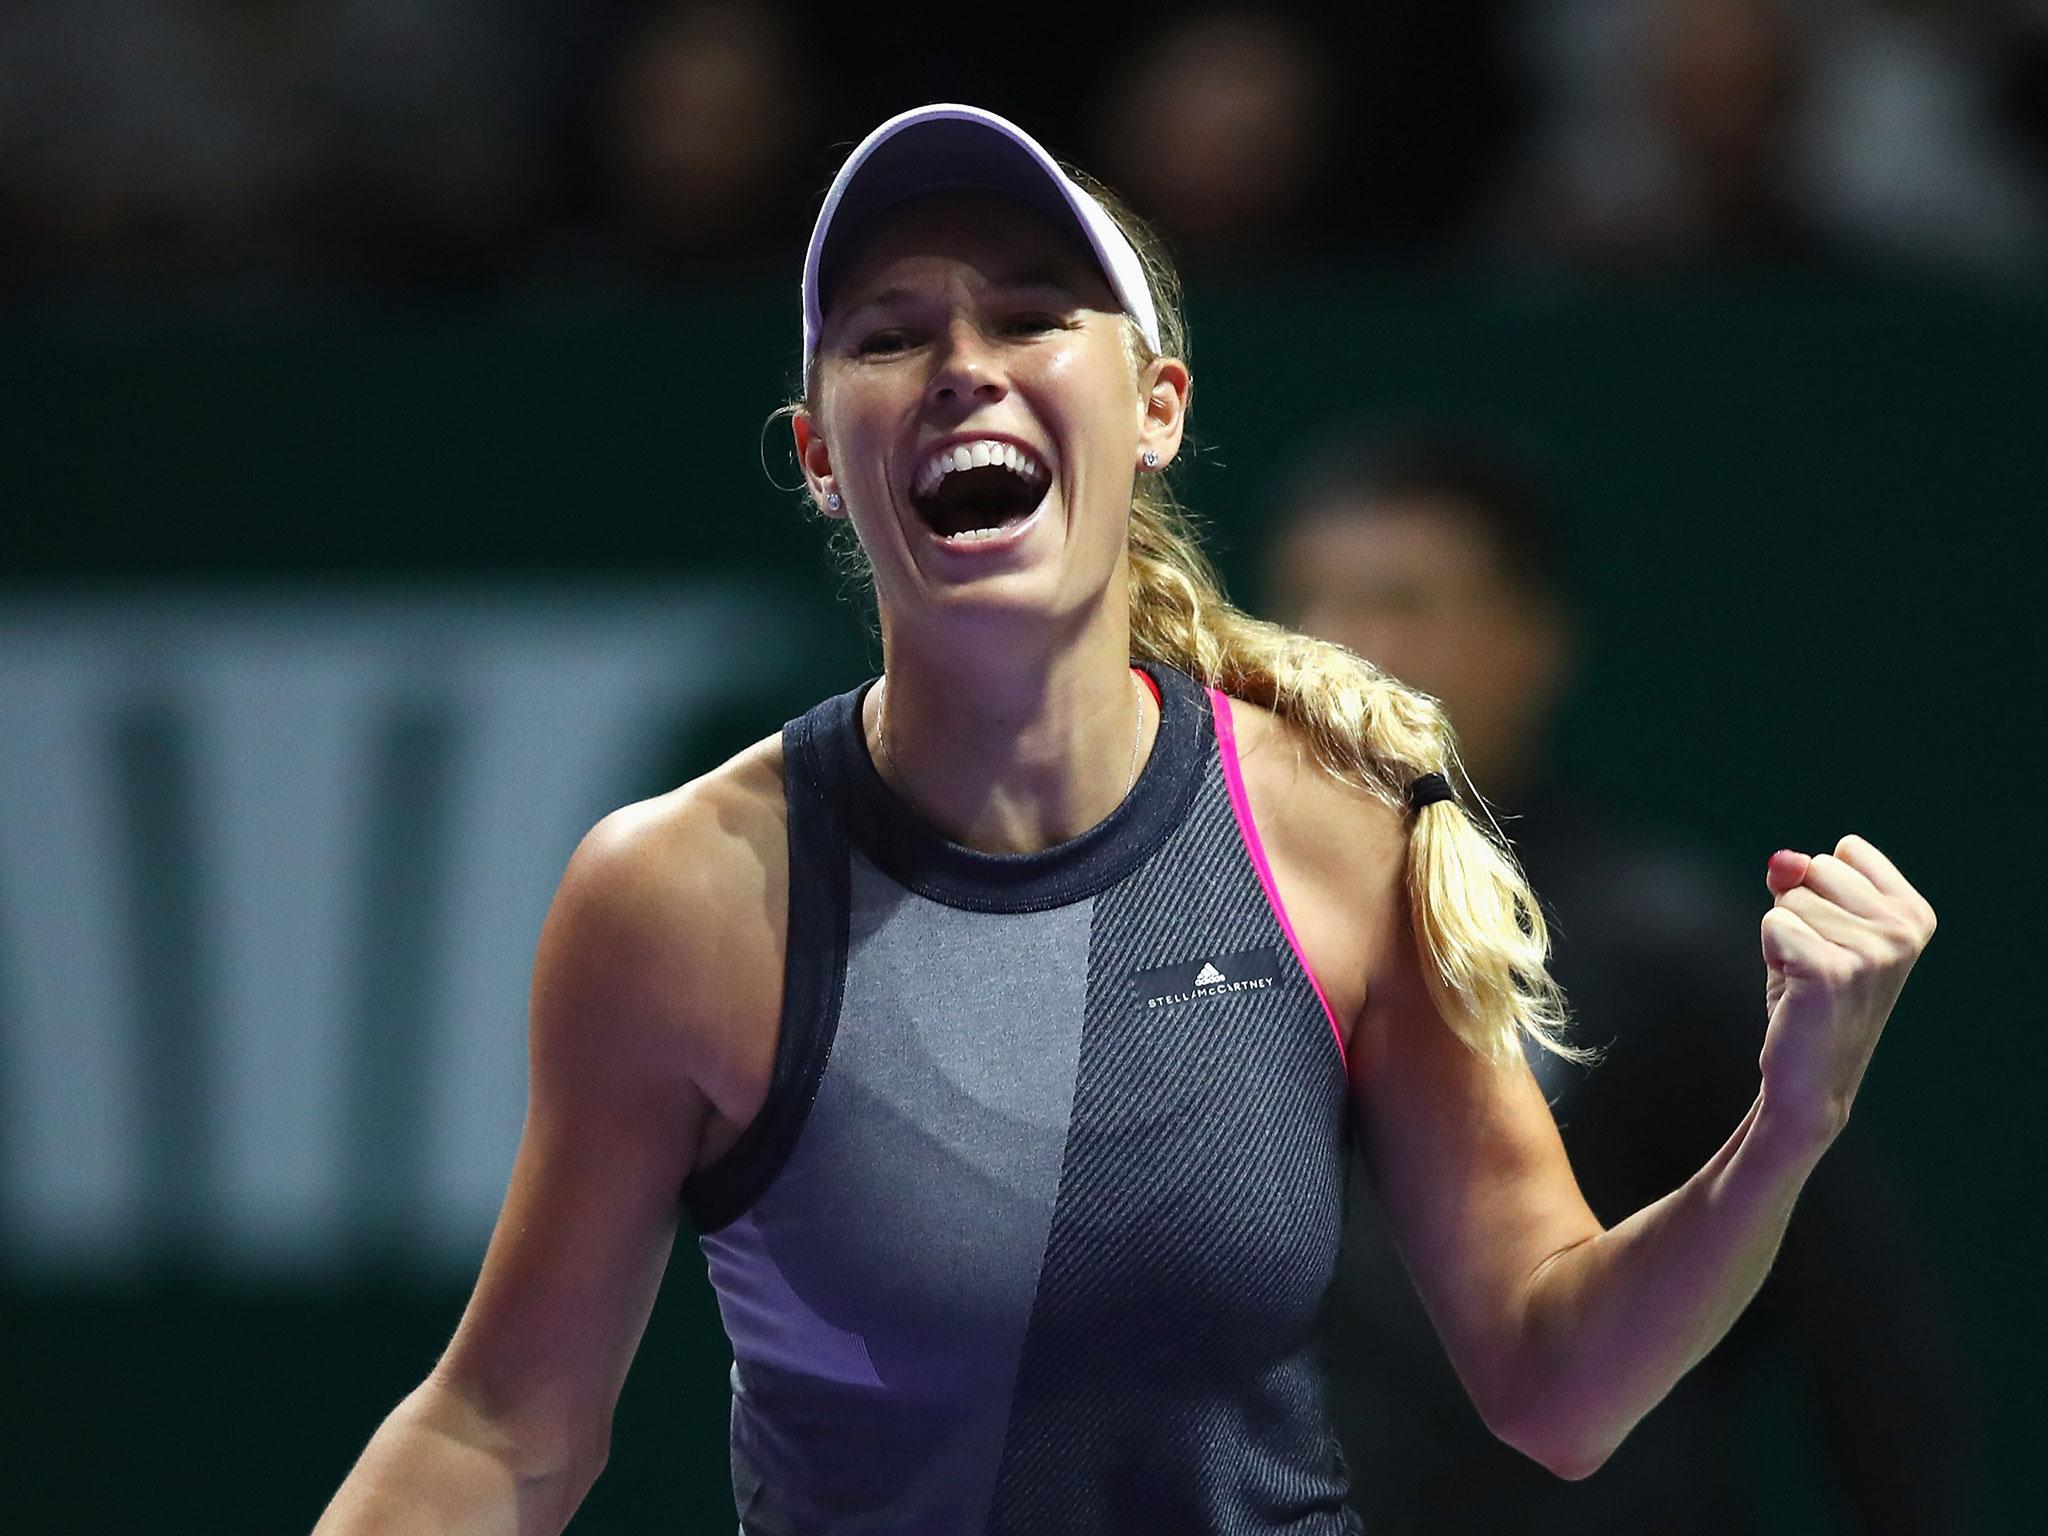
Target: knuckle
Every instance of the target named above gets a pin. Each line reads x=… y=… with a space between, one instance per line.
x=1903 y=932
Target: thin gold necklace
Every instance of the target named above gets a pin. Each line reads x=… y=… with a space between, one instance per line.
x=903 y=784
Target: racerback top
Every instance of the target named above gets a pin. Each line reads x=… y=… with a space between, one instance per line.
x=1033 y=1231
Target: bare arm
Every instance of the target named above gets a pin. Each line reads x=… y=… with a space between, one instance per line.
x=1613 y=1321
x=510 y=1430
x=1564 y=1333
x=1472 y=1177
x=438 y=1464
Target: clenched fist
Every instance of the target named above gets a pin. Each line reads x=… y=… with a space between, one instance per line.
x=1843 y=931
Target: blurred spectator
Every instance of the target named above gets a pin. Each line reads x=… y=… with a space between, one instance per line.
x=152 y=141
x=1443 y=564
x=1905 y=154
x=1734 y=132
x=1216 y=131
x=1672 y=137
x=144 y=141
x=703 y=142
x=1300 y=132
x=139 y=139
x=429 y=165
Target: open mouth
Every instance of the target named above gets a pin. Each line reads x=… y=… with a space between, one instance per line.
x=981 y=501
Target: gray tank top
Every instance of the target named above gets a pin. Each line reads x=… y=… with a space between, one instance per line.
x=1033 y=1232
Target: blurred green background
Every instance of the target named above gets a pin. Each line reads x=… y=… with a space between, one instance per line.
x=1803 y=534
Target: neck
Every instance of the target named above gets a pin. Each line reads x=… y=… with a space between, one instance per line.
x=1007 y=751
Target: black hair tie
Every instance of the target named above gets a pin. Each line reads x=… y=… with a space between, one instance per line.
x=1429 y=789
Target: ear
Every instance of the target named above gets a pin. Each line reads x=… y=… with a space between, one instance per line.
x=816 y=459
x=1165 y=389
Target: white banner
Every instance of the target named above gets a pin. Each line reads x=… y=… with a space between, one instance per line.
x=271 y=872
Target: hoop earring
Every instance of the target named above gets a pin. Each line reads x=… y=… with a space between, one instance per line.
x=833 y=502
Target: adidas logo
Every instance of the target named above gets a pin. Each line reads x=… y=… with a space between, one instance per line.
x=1187 y=981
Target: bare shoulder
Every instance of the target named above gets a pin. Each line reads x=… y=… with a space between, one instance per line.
x=669 y=925
x=658 y=963
x=1339 y=856
x=688 y=848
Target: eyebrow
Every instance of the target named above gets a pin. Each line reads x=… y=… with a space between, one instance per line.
x=1009 y=281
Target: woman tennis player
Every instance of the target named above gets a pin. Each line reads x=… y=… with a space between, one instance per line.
x=998 y=1026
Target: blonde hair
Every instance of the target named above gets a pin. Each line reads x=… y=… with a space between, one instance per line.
x=1480 y=926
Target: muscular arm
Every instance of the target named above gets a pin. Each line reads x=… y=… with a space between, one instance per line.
x=1564 y=1333
x=513 y=1425
x=1473 y=1180
x=1612 y=1323
x=436 y=1465
x=1615 y=1320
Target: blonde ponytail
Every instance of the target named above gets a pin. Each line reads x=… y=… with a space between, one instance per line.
x=1473 y=912
x=1479 y=924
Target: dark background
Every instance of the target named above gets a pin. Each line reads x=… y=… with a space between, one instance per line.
x=1801 y=531
x=421 y=338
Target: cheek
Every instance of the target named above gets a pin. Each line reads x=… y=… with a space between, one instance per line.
x=1063 y=365
x=1097 y=419
x=1093 y=383
x=854 y=414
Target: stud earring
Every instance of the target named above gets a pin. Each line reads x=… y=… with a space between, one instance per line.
x=833 y=501
x=1151 y=459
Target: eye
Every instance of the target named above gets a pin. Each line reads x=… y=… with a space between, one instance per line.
x=882 y=342
x=1037 y=321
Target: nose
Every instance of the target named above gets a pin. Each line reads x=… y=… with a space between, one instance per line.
x=965 y=367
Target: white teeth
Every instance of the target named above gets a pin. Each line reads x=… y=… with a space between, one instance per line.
x=974 y=456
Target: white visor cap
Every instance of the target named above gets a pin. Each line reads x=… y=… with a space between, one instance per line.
x=949 y=147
